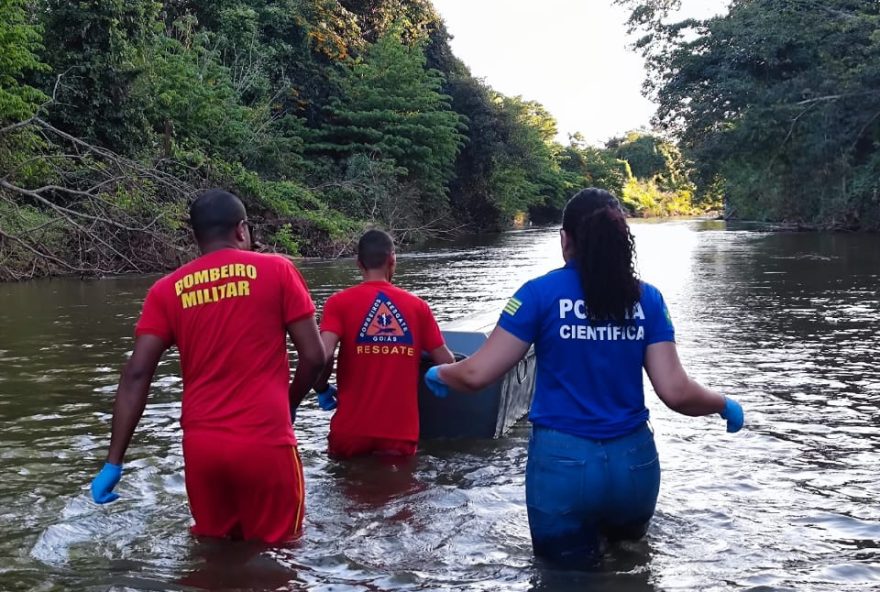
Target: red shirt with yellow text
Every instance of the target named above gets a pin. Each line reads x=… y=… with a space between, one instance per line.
x=382 y=332
x=227 y=312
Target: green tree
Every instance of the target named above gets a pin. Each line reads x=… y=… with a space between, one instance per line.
x=470 y=191
x=510 y=161
x=392 y=109
x=414 y=19
x=188 y=91
x=644 y=153
x=284 y=52
x=526 y=172
x=652 y=158
x=777 y=101
x=99 y=47
x=20 y=42
x=588 y=166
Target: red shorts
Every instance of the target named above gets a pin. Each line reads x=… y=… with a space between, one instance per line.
x=343 y=446
x=243 y=490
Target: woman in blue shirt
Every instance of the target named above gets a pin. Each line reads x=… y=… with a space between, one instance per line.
x=592 y=469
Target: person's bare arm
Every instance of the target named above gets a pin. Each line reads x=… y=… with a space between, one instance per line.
x=131 y=395
x=310 y=354
x=675 y=388
x=330 y=341
x=442 y=355
x=499 y=354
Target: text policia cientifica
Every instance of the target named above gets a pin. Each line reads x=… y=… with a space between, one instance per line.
x=576 y=310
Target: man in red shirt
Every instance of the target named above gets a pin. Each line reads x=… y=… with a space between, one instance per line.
x=229 y=313
x=381 y=331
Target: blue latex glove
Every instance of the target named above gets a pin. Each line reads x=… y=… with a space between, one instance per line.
x=327 y=399
x=435 y=383
x=104 y=482
x=733 y=413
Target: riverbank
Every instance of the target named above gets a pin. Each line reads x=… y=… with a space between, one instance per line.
x=320 y=246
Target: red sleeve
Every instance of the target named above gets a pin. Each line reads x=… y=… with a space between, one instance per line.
x=433 y=338
x=296 y=302
x=331 y=318
x=155 y=316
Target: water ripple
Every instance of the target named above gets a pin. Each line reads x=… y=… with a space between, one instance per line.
x=787 y=323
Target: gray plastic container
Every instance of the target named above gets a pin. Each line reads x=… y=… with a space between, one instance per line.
x=488 y=413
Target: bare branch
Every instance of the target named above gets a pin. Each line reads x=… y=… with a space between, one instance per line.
x=41 y=254
x=830 y=98
x=15 y=126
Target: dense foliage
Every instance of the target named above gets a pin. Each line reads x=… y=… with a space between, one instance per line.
x=324 y=115
x=777 y=102
x=19 y=44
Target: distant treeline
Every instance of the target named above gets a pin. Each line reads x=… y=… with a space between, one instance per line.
x=776 y=102
x=325 y=116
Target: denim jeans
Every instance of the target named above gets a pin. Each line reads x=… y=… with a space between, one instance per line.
x=580 y=490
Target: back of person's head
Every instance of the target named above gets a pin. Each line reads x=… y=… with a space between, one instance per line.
x=375 y=249
x=214 y=214
x=604 y=251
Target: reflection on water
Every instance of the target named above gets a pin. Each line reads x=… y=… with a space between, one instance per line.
x=788 y=323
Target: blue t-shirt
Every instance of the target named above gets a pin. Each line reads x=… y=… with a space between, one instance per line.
x=589 y=376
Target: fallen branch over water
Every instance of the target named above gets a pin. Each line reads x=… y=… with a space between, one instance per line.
x=100 y=214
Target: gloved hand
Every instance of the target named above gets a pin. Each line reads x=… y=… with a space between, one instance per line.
x=435 y=383
x=733 y=413
x=327 y=399
x=104 y=482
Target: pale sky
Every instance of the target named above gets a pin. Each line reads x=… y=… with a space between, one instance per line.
x=570 y=55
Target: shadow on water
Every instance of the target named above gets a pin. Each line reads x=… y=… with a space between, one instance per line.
x=372 y=482
x=789 y=323
x=224 y=565
x=625 y=568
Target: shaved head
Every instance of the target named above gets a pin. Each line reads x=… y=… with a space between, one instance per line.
x=214 y=214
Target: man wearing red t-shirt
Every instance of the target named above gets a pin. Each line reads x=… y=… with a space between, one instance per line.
x=229 y=313
x=381 y=331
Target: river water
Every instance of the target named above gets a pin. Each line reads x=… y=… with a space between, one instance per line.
x=787 y=323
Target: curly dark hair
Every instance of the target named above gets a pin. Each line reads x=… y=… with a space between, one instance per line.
x=605 y=254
